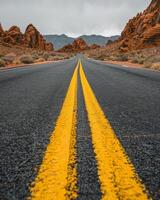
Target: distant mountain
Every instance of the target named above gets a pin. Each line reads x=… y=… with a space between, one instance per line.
x=97 y=39
x=60 y=41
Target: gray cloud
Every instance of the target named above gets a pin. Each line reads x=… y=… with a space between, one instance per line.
x=73 y=17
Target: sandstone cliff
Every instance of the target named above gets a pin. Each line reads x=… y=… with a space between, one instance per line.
x=31 y=38
x=143 y=31
x=78 y=45
x=1 y=30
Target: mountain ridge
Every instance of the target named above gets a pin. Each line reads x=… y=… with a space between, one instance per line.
x=62 y=40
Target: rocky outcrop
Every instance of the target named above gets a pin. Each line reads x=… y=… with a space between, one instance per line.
x=31 y=38
x=78 y=45
x=142 y=31
x=49 y=46
x=35 y=40
x=13 y=36
x=94 y=46
x=1 y=30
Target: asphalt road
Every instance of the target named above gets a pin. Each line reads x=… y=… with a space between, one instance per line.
x=31 y=99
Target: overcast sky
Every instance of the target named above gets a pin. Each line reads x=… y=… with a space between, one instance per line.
x=72 y=17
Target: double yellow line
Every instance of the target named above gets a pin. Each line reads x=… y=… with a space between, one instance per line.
x=57 y=176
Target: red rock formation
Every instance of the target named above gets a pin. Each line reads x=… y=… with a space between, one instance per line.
x=78 y=45
x=13 y=36
x=35 y=40
x=95 y=46
x=142 y=31
x=49 y=46
x=31 y=38
x=1 y=30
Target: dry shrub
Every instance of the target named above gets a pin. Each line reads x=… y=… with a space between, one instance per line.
x=9 y=58
x=156 y=66
x=149 y=62
x=138 y=60
x=141 y=61
x=46 y=56
x=26 y=59
x=40 y=60
x=100 y=57
x=16 y=62
x=53 y=54
x=118 y=57
x=156 y=59
x=67 y=57
x=55 y=58
x=35 y=56
x=113 y=58
x=134 y=60
x=2 y=63
x=51 y=58
x=121 y=57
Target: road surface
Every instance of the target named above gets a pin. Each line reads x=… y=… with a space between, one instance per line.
x=79 y=129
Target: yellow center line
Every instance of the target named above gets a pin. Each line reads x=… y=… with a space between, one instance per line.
x=57 y=176
x=117 y=175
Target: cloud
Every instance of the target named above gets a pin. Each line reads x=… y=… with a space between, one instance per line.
x=73 y=17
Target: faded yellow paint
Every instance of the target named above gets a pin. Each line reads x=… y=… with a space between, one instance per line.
x=117 y=175
x=57 y=176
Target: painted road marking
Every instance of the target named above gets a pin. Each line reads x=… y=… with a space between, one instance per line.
x=57 y=176
x=117 y=175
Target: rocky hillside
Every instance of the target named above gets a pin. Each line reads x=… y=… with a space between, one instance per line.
x=143 y=31
x=30 y=39
x=139 y=43
x=78 y=45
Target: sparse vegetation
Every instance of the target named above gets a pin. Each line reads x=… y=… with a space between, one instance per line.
x=54 y=58
x=17 y=61
x=156 y=66
x=147 y=64
x=137 y=59
x=152 y=62
x=121 y=57
x=100 y=57
x=9 y=58
x=46 y=56
x=13 y=55
x=2 y=63
x=26 y=59
x=39 y=60
x=145 y=57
